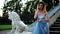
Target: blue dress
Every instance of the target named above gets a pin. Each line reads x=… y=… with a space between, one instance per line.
x=42 y=26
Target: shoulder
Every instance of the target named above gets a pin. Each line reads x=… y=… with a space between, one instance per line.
x=46 y=13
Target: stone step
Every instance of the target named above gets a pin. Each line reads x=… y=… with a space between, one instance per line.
x=55 y=25
x=56 y=22
x=54 y=28
x=58 y=18
x=54 y=32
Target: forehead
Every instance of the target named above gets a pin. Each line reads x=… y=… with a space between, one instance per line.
x=40 y=4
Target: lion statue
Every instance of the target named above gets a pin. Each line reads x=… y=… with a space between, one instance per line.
x=18 y=26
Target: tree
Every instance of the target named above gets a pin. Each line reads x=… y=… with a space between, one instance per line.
x=26 y=13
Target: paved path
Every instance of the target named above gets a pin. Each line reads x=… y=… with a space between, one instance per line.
x=4 y=32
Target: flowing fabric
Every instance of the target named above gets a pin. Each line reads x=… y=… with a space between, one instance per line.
x=41 y=27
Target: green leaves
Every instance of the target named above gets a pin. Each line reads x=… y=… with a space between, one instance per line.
x=28 y=10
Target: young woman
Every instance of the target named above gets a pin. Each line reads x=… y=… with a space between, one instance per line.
x=42 y=18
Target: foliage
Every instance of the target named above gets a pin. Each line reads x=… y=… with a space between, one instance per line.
x=28 y=11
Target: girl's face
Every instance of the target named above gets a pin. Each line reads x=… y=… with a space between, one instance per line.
x=40 y=6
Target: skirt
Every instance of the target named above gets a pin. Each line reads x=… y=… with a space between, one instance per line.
x=41 y=28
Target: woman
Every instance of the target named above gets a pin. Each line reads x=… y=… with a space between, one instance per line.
x=42 y=18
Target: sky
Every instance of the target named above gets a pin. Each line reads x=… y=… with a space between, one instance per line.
x=1 y=6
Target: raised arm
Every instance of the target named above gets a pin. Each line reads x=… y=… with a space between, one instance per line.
x=35 y=15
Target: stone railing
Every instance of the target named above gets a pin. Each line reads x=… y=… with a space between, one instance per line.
x=53 y=14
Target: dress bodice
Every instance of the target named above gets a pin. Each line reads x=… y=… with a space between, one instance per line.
x=42 y=16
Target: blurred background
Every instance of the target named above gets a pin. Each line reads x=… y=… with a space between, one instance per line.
x=25 y=9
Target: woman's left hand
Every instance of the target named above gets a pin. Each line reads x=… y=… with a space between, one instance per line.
x=40 y=20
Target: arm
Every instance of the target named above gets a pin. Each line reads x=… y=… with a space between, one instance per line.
x=47 y=17
x=35 y=15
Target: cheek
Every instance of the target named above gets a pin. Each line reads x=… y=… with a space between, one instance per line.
x=41 y=6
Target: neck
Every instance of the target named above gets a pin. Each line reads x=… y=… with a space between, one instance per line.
x=40 y=10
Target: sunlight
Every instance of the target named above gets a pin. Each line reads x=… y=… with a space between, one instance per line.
x=1 y=6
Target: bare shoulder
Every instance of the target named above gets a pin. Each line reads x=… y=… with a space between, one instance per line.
x=46 y=13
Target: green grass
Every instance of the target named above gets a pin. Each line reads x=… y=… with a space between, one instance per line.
x=5 y=27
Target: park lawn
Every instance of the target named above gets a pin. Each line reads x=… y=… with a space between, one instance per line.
x=5 y=27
